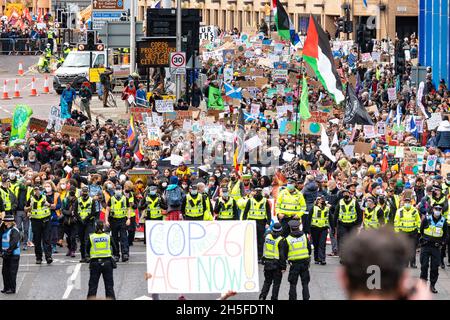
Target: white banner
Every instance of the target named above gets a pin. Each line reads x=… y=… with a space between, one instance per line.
x=202 y=256
x=164 y=106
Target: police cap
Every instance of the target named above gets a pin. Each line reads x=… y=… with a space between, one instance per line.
x=437 y=206
x=277 y=227
x=85 y=188
x=294 y=224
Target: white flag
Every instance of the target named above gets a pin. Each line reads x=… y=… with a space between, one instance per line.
x=325 y=144
x=335 y=139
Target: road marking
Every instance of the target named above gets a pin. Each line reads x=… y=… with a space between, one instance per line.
x=63 y=254
x=71 y=280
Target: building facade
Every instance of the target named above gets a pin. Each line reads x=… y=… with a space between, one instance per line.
x=386 y=17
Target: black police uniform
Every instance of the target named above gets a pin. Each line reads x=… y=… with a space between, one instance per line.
x=319 y=236
x=430 y=249
x=85 y=227
x=11 y=257
x=343 y=229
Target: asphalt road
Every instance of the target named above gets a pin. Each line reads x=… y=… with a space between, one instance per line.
x=66 y=278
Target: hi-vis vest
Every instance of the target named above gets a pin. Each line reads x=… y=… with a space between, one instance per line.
x=397 y=201
x=271 y=250
x=257 y=209
x=38 y=208
x=84 y=207
x=100 y=245
x=153 y=208
x=6 y=199
x=434 y=229
x=5 y=241
x=298 y=248
x=14 y=188
x=347 y=212
x=371 y=218
x=440 y=202
x=29 y=192
x=320 y=217
x=290 y=204
x=226 y=211
x=131 y=201
x=386 y=210
x=194 y=207
x=119 y=208
x=235 y=191
x=407 y=220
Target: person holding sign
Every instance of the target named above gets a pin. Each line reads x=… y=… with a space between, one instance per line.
x=258 y=209
x=274 y=262
x=298 y=252
x=118 y=215
x=194 y=205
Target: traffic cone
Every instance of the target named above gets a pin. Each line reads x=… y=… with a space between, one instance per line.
x=16 y=90
x=46 y=88
x=20 y=72
x=5 y=92
x=33 y=88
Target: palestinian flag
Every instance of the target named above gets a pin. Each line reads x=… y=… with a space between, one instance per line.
x=285 y=27
x=317 y=53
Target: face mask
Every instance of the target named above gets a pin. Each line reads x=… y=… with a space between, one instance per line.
x=377 y=170
x=290 y=187
x=346 y=197
x=63 y=186
x=152 y=193
x=118 y=194
x=233 y=178
x=353 y=172
x=363 y=171
x=225 y=195
x=12 y=175
x=184 y=186
x=194 y=192
x=164 y=184
x=437 y=214
x=358 y=194
x=48 y=189
x=206 y=189
x=72 y=193
x=85 y=195
x=407 y=205
x=379 y=191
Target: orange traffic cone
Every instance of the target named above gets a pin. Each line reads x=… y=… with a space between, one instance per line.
x=20 y=72
x=16 y=90
x=5 y=92
x=46 y=88
x=33 y=88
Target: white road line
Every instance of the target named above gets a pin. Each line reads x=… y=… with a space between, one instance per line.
x=63 y=254
x=62 y=264
x=71 y=281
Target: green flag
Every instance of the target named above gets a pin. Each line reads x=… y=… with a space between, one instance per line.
x=215 y=99
x=304 y=103
x=19 y=125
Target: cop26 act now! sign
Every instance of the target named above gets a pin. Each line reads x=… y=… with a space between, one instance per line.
x=202 y=256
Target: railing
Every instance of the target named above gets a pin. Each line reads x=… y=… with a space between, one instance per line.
x=22 y=46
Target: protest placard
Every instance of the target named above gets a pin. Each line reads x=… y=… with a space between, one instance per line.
x=252 y=143
x=246 y=84
x=381 y=128
x=260 y=82
x=153 y=136
x=349 y=150
x=137 y=113
x=229 y=262
x=409 y=162
x=399 y=152
x=445 y=169
x=362 y=147
x=318 y=117
x=38 y=125
x=71 y=131
x=392 y=94
x=163 y=106
x=434 y=121
x=369 y=131
x=431 y=163
x=54 y=119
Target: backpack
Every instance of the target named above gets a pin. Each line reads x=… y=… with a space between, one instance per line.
x=174 y=197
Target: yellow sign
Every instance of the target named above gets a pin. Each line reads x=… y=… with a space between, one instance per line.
x=165 y=97
x=94 y=74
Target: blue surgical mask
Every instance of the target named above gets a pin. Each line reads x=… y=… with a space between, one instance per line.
x=118 y=194
x=152 y=193
x=290 y=187
x=437 y=214
x=407 y=205
x=194 y=192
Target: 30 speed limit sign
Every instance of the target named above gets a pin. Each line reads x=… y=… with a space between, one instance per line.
x=178 y=62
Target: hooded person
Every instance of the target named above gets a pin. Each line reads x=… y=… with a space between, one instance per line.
x=173 y=197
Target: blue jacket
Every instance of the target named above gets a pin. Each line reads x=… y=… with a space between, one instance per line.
x=69 y=95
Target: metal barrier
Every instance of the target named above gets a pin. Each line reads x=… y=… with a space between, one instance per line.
x=22 y=46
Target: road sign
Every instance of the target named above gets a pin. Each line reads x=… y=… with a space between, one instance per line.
x=107 y=4
x=178 y=62
x=100 y=18
x=116 y=34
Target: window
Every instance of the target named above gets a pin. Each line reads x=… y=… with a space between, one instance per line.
x=207 y=16
x=224 y=20
x=248 y=18
x=99 y=61
x=240 y=21
x=216 y=17
x=232 y=25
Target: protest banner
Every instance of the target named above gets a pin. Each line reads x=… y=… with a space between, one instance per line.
x=71 y=131
x=180 y=262
x=163 y=106
x=308 y=127
x=362 y=148
x=431 y=163
x=288 y=127
x=153 y=136
x=228 y=74
x=184 y=114
x=369 y=131
x=260 y=82
x=214 y=113
x=399 y=152
x=255 y=109
x=318 y=117
x=409 y=162
x=280 y=75
x=392 y=94
x=246 y=84
x=54 y=119
x=38 y=125
x=252 y=143
x=349 y=150
x=434 y=121
x=381 y=128
x=137 y=113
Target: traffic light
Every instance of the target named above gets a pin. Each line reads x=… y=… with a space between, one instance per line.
x=341 y=24
x=90 y=40
x=348 y=27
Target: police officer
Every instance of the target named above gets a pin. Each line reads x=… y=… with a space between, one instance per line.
x=118 y=215
x=152 y=205
x=433 y=231
x=348 y=216
x=388 y=214
x=298 y=252
x=129 y=194
x=48 y=52
x=373 y=216
x=407 y=221
x=226 y=207
x=39 y=212
x=235 y=186
x=101 y=262
x=258 y=209
x=194 y=205
x=10 y=253
x=86 y=213
x=290 y=205
x=66 y=50
x=274 y=262
x=319 y=221
x=8 y=197
x=50 y=36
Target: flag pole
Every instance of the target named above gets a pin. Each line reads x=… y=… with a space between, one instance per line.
x=296 y=115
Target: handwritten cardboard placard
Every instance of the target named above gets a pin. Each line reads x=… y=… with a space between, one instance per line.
x=445 y=168
x=163 y=106
x=409 y=161
x=232 y=256
x=137 y=113
x=71 y=131
x=38 y=125
x=214 y=113
x=260 y=81
x=362 y=147
x=318 y=117
x=247 y=84
x=184 y=114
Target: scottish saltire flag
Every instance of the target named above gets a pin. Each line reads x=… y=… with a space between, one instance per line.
x=399 y=115
x=365 y=3
x=233 y=92
x=248 y=116
x=157 y=5
x=413 y=128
